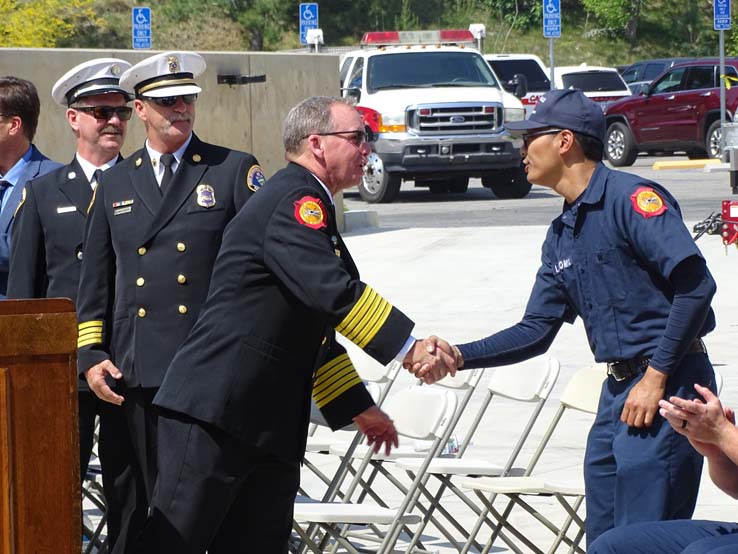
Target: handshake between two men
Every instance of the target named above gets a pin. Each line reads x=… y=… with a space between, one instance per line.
x=431 y=359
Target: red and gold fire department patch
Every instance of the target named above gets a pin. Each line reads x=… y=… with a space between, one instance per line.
x=647 y=202
x=309 y=211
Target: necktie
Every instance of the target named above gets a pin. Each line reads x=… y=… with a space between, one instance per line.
x=167 y=160
x=96 y=178
x=3 y=187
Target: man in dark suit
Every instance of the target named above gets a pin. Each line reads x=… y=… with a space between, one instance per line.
x=49 y=226
x=152 y=235
x=236 y=397
x=20 y=160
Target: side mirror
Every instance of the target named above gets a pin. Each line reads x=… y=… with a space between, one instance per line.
x=521 y=85
x=351 y=92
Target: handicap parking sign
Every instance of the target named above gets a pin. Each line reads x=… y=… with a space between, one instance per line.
x=141 y=27
x=308 y=19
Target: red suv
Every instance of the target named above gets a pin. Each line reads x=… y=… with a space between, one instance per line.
x=679 y=111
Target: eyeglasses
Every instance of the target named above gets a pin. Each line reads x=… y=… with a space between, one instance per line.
x=527 y=139
x=106 y=112
x=169 y=101
x=357 y=138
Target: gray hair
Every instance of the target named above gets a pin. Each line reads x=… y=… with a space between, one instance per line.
x=312 y=116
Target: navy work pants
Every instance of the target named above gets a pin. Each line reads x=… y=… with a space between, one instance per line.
x=637 y=475
x=669 y=537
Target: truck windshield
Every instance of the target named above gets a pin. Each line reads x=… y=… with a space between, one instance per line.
x=428 y=69
x=593 y=81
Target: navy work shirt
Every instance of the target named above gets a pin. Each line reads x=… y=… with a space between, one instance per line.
x=608 y=258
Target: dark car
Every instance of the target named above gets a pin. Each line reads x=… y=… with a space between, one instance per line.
x=678 y=112
x=648 y=70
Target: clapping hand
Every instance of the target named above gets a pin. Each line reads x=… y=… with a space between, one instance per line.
x=431 y=359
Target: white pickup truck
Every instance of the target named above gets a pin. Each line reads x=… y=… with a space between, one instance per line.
x=438 y=113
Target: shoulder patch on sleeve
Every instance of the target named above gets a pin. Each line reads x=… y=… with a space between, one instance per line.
x=255 y=178
x=22 y=201
x=647 y=202
x=309 y=211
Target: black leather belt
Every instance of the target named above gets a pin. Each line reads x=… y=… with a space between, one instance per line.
x=627 y=369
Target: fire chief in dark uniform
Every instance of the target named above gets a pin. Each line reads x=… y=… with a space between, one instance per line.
x=237 y=394
x=152 y=236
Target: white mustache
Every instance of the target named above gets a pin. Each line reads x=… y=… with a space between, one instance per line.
x=111 y=130
x=178 y=117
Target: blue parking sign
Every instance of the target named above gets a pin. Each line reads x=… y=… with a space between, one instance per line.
x=141 y=27
x=308 y=19
x=721 y=15
x=551 y=18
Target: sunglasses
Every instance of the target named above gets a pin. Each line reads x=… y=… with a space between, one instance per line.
x=527 y=139
x=106 y=112
x=357 y=138
x=169 y=101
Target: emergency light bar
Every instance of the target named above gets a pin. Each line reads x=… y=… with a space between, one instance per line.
x=387 y=38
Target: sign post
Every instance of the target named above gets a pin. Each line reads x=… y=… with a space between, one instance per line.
x=552 y=29
x=141 y=27
x=308 y=19
x=721 y=23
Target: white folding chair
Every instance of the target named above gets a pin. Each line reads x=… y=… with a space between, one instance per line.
x=421 y=413
x=94 y=506
x=582 y=394
x=530 y=382
x=464 y=384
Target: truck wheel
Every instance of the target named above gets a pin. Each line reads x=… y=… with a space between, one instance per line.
x=378 y=185
x=508 y=183
x=619 y=147
x=712 y=140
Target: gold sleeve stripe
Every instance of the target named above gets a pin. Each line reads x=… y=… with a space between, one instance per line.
x=333 y=379
x=326 y=370
x=337 y=392
x=86 y=342
x=318 y=388
x=90 y=332
x=366 y=318
x=90 y=325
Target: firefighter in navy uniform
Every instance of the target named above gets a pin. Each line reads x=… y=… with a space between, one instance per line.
x=152 y=235
x=46 y=252
x=236 y=397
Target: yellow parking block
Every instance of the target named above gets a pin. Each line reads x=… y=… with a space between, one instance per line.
x=686 y=164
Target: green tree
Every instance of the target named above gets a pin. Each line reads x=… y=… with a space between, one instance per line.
x=42 y=23
x=620 y=16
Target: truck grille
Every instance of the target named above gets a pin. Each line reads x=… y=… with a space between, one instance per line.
x=458 y=118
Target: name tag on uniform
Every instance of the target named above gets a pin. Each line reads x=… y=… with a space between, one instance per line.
x=122 y=207
x=65 y=209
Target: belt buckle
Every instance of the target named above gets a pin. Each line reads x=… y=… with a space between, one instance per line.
x=611 y=370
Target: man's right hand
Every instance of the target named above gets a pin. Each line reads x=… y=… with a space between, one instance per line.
x=96 y=379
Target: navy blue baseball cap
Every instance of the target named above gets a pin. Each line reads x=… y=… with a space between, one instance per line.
x=563 y=109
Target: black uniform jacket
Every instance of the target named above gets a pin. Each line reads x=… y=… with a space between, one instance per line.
x=46 y=254
x=282 y=283
x=148 y=258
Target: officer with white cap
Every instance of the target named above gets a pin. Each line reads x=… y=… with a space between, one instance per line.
x=47 y=240
x=153 y=233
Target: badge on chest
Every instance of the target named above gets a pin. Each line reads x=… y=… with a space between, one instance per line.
x=205 y=196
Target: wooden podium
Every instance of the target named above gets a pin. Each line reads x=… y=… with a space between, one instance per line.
x=40 y=503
